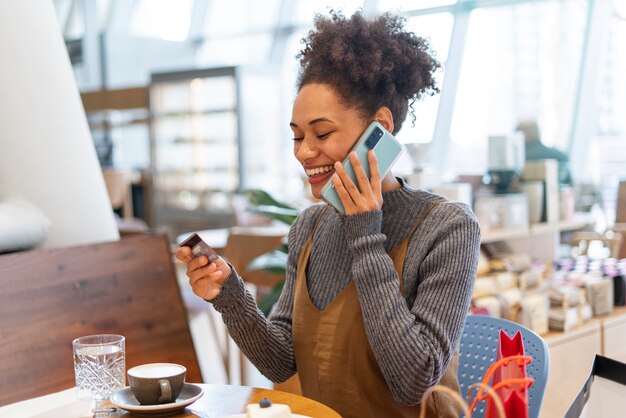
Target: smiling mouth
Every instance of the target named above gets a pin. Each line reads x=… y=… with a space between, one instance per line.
x=319 y=171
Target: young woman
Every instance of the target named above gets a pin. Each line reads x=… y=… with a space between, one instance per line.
x=374 y=301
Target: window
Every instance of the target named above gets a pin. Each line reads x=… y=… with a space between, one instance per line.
x=409 y=5
x=163 y=19
x=75 y=22
x=239 y=32
x=607 y=149
x=243 y=49
x=519 y=61
x=437 y=29
x=240 y=17
x=305 y=11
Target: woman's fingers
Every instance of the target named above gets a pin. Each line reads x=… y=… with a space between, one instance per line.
x=368 y=195
x=196 y=263
x=206 y=290
x=344 y=195
x=375 y=180
x=205 y=277
x=206 y=282
x=361 y=176
x=348 y=184
x=183 y=254
x=209 y=271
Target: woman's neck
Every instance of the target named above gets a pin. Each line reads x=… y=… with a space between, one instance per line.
x=390 y=183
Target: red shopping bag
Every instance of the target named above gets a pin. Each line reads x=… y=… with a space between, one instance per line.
x=514 y=397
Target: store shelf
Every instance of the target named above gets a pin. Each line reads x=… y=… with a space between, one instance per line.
x=185 y=114
x=571 y=356
x=195 y=146
x=614 y=334
x=505 y=234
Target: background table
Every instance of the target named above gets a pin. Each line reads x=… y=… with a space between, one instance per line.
x=217 y=401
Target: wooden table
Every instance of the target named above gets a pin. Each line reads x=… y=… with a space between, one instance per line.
x=217 y=401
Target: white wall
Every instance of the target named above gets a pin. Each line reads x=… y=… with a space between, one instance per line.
x=46 y=152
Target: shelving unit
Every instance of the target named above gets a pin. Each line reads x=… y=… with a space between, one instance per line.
x=572 y=352
x=195 y=148
x=571 y=357
x=540 y=241
x=119 y=122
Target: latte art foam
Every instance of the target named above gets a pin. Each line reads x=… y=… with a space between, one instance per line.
x=152 y=371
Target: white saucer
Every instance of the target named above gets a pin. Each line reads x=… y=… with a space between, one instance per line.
x=126 y=400
x=244 y=416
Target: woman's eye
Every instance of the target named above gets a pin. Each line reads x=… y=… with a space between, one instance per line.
x=323 y=136
x=297 y=138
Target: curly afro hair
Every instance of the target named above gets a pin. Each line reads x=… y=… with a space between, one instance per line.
x=369 y=63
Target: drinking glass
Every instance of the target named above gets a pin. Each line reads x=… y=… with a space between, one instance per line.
x=99 y=366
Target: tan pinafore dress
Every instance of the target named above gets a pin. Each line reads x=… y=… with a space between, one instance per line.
x=334 y=360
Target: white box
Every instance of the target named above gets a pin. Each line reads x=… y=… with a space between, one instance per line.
x=460 y=192
x=502 y=211
x=507 y=152
x=548 y=172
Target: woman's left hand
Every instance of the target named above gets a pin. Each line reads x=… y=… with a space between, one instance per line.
x=368 y=196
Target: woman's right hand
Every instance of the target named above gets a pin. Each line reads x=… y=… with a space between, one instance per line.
x=206 y=278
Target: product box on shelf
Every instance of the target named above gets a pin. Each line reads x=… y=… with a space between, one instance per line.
x=600 y=295
x=496 y=211
x=548 y=172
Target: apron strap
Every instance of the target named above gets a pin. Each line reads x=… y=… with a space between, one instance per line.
x=398 y=253
x=317 y=221
x=421 y=219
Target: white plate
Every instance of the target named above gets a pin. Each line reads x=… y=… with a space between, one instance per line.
x=244 y=416
x=126 y=400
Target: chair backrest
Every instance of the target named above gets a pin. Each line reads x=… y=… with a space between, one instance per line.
x=50 y=297
x=118 y=184
x=246 y=243
x=479 y=342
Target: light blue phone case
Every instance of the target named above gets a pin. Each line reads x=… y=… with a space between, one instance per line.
x=387 y=150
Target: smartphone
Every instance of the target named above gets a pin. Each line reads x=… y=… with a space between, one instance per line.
x=199 y=247
x=386 y=148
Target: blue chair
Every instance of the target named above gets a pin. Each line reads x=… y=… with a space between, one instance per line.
x=478 y=351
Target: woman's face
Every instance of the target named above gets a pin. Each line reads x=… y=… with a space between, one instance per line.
x=323 y=131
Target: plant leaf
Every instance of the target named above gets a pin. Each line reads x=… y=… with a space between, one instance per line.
x=274 y=262
x=265 y=304
x=283 y=248
x=258 y=197
x=284 y=215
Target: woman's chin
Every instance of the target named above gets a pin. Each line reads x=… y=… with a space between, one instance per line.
x=316 y=191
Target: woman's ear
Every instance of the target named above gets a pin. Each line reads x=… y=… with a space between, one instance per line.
x=385 y=117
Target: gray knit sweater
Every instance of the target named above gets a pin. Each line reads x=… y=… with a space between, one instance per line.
x=413 y=337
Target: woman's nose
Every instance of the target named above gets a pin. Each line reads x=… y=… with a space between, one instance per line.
x=305 y=150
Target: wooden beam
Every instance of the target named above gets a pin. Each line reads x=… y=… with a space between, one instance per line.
x=129 y=98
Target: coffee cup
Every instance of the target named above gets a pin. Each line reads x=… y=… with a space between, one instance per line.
x=156 y=383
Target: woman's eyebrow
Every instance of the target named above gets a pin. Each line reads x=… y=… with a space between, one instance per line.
x=313 y=122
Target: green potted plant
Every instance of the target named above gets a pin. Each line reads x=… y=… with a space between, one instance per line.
x=274 y=262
